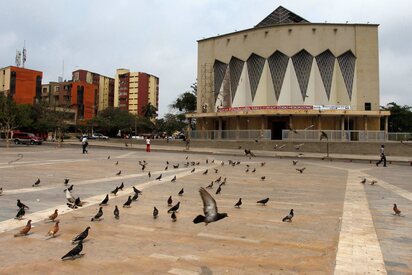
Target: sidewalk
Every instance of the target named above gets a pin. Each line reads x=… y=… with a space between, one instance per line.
x=240 y=152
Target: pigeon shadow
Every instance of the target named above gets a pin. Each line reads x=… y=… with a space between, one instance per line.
x=74 y=257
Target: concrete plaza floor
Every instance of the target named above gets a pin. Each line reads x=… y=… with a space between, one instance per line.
x=340 y=226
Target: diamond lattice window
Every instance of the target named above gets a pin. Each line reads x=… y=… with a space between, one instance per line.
x=326 y=63
x=347 y=66
x=278 y=63
x=235 y=68
x=302 y=62
x=255 y=65
x=219 y=69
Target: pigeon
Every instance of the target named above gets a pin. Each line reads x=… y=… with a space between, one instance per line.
x=239 y=203
x=198 y=163
x=98 y=216
x=149 y=175
x=222 y=163
x=108 y=157
x=52 y=232
x=81 y=236
x=78 y=202
x=128 y=202
x=155 y=213
x=301 y=170
x=137 y=190
x=174 y=179
x=289 y=217
x=279 y=146
x=213 y=161
x=159 y=177
x=167 y=167
x=173 y=216
x=210 y=186
x=295 y=162
x=207 y=161
x=167 y=162
x=174 y=208
x=117 y=163
x=116 y=212
x=181 y=192
x=193 y=170
x=298 y=146
x=121 y=186
x=262 y=178
x=69 y=196
x=66 y=181
x=216 y=170
x=119 y=173
x=105 y=200
x=218 y=190
x=373 y=182
x=262 y=164
x=125 y=144
x=210 y=211
x=37 y=183
x=75 y=251
x=247 y=170
x=396 y=210
x=176 y=166
x=263 y=202
x=70 y=188
x=249 y=153
x=21 y=205
x=254 y=170
x=143 y=167
x=114 y=192
x=218 y=179
x=135 y=196
x=25 y=230
x=223 y=182
x=53 y=216
x=169 y=201
x=323 y=135
x=1 y=191
x=363 y=181
x=20 y=213
x=205 y=172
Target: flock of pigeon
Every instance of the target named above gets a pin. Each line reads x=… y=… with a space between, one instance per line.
x=210 y=209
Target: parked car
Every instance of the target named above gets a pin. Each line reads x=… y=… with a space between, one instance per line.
x=26 y=138
x=98 y=136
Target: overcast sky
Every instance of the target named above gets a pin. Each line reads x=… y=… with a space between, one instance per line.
x=159 y=36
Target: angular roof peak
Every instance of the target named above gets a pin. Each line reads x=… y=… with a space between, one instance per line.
x=281 y=16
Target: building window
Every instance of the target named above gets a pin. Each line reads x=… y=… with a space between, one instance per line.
x=368 y=106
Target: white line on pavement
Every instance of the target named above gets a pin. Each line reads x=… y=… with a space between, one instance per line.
x=226 y=238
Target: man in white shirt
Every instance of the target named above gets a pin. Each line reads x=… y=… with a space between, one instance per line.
x=85 y=143
x=383 y=156
x=147 y=145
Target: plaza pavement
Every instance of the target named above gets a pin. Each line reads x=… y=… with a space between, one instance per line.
x=340 y=226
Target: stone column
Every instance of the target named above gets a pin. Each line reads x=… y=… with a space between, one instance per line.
x=342 y=127
x=365 y=123
x=386 y=127
x=237 y=126
x=219 y=134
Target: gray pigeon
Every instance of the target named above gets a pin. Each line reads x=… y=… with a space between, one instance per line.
x=210 y=211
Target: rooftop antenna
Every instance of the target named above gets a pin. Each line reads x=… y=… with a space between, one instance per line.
x=17 y=60
x=24 y=53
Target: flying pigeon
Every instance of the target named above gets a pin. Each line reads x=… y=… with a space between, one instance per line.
x=176 y=166
x=119 y=173
x=155 y=213
x=169 y=201
x=277 y=147
x=174 y=179
x=239 y=203
x=75 y=251
x=21 y=205
x=98 y=216
x=174 y=217
x=210 y=186
x=116 y=212
x=81 y=236
x=121 y=186
x=159 y=177
x=25 y=230
x=105 y=200
x=128 y=202
x=37 y=183
x=295 y=162
x=323 y=135
x=70 y=188
x=114 y=192
x=181 y=192
x=52 y=232
x=289 y=217
x=20 y=213
x=301 y=170
x=396 y=210
x=174 y=208
x=205 y=172
x=263 y=202
x=210 y=211
x=53 y=216
x=66 y=181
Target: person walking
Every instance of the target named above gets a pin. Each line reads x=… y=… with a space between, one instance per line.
x=187 y=143
x=383 y=156
x=148 y=145
x=85 y=143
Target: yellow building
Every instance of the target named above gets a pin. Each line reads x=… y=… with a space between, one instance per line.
x=288 y=73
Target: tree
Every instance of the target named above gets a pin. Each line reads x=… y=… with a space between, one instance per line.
x=111 y=120
x=8 y=112
x=149 y=111
x=400 y=119
x=186 y=102
x=171 y=123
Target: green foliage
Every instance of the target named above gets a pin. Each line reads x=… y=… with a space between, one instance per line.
x=186 y=102
x=149 y=111
x=171 y=123
x=400 y=119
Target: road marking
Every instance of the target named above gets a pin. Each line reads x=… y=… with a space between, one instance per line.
x=141 y=228
x=179 y=271
x=164 y=257
x=358 y=248
x=226 y=238
x=395 y=189
x=125 y=155
x=37 y=163
x=12 y=224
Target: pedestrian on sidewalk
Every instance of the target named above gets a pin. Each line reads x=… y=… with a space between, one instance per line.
x=383 y=156
x=85 y=143
x=187 y=143
x=147 y=144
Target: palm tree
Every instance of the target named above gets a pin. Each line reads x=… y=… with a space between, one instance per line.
x=149 y=111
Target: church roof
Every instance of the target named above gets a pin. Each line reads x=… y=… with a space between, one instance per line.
x=281 y=16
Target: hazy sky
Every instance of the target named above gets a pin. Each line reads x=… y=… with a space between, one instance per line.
x=159 y=36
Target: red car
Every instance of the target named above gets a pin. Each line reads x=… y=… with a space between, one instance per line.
x=26 y=138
